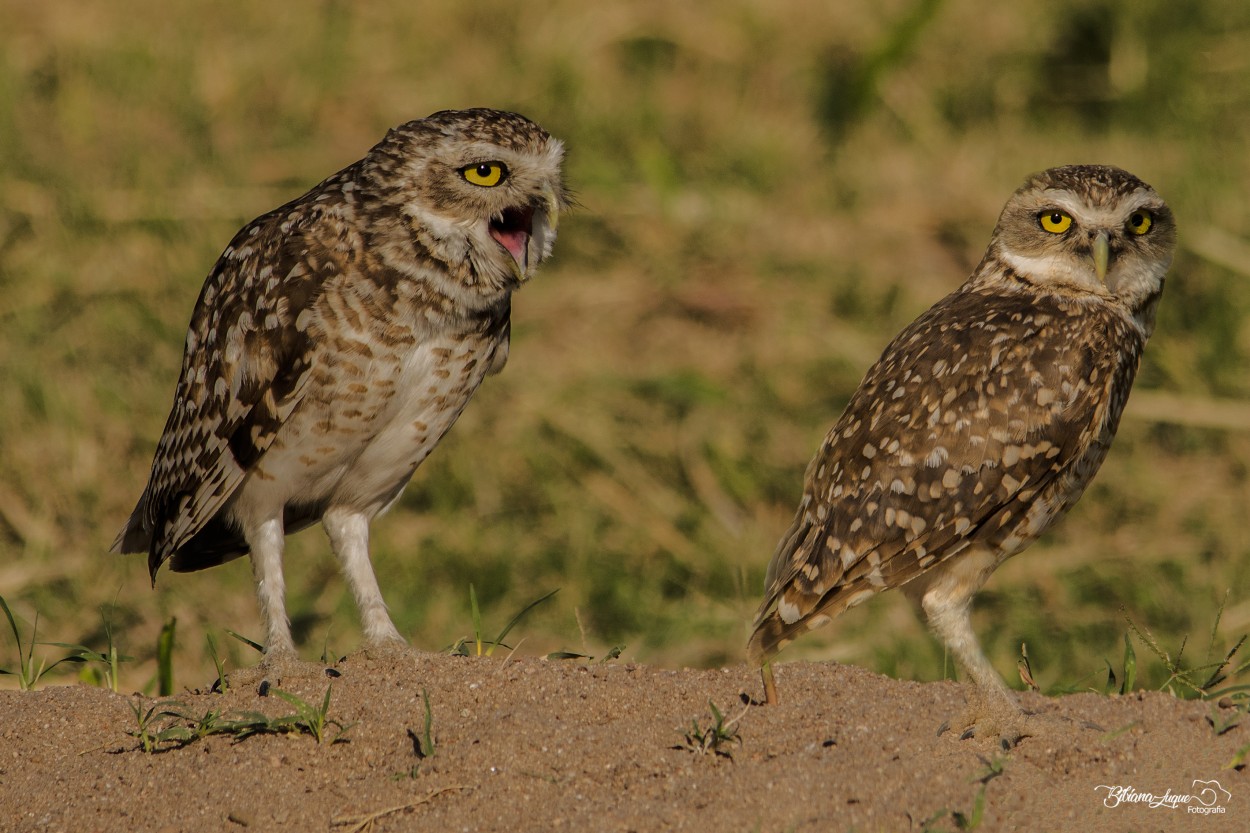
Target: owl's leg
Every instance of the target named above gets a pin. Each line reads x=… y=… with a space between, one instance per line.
x=349 y=538
x=945 y=594
x=991 y=706
x=267 y=541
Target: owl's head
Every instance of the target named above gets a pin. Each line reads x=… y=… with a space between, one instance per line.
x=480 y=189
x=1089 y=229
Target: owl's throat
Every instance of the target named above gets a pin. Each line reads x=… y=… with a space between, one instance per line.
x=512 y=229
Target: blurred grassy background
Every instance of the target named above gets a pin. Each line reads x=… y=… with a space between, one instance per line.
x=769 y=191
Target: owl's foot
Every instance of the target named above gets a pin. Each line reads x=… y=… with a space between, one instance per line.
x=390 y=649
x=993 y=715
x=273 y=669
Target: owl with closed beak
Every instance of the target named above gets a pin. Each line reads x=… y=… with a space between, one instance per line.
x=336 y=341
x=980 y=425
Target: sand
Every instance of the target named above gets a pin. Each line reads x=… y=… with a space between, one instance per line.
x=536 y=744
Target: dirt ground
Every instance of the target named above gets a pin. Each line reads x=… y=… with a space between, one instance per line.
x=531 y=744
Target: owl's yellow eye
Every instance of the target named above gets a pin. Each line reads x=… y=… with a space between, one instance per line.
x=1140 y=221
x=486 y=174
x=1055 y=222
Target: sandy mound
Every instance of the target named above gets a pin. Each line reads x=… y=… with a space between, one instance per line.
x=530 y=744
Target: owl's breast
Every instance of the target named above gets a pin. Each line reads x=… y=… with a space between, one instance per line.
x=370 y=415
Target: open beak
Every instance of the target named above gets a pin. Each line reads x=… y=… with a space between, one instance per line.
x=512 y=230
x=1102 y=253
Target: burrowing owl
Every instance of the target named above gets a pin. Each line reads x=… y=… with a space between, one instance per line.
x=334 y=343
x=982 y=422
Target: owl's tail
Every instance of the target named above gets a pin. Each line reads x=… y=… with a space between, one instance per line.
x=135 y=535
x=771 y=634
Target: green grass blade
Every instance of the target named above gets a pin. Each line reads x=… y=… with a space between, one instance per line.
x=503 y=633
x=260 y=649
x=222 y=685
x=477 y=619
x=17 y=637
x=1130 y=666
x=165 y=658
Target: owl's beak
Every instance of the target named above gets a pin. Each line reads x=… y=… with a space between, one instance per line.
x=553 y=207
x=1102 y=254
x=512 y=230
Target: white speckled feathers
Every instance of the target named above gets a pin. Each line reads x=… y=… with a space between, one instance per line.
x=985 y=419
x=971 y=428
x=339 y=336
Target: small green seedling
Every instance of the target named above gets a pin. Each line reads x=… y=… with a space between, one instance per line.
x=309 y=719
x=29 y=671
x=165 y=658
x=422 y=745
x=1238 y=761
x=972 y=820
x=716 y=737
x=155 y=728
x=167 y=725
x=221 y=684
x=613 y=653
x=484 y=647
x=963 y=821
x=1221 y=722
x=993 y=768
x=1129 y=677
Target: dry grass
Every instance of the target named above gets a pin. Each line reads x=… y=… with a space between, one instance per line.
x=769 y=191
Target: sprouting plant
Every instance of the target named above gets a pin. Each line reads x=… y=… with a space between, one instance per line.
x=716 y=736
x=971 y=820
x=423 y=744
x=963 y=821
x=105 y=670
x=155 y=727
x=165 y=658
x=993 y=768
x=612 y=653
x=166 y=724
x=1238 y=761
x=1201 y=680
x=221 y=684
x=328 y=656
x=484 y=647
x=1221 y=722
x=28 y=669
x=309 y=719
x=210 y=724
x=1129 y=677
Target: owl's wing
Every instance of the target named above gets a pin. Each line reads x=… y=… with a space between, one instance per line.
x=958 y=435
x=245 y=370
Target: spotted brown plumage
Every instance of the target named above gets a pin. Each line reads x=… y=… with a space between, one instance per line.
x=336 y=340
x=982 y=422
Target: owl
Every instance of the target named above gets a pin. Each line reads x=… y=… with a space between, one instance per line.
x=980 y=425
x=336 y=341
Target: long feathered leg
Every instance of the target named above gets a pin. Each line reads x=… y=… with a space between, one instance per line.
x=267 y=543
x=349 y=538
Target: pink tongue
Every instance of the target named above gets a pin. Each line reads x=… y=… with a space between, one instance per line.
x=514 y=241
